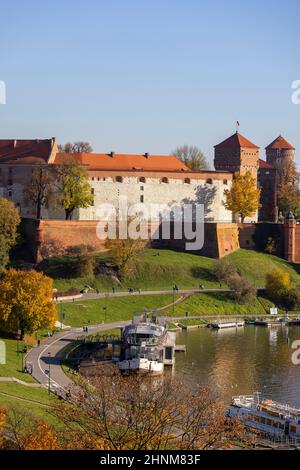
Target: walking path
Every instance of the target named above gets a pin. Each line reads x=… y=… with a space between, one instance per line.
x=93 y=295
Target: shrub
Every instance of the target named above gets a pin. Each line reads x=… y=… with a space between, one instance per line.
x=277 y=284
x=50 y=248
x=242 y=289
x=85 y=265
x=224 y=270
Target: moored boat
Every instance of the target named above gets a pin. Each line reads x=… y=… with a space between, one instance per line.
x=266 y=416
x=147 y=345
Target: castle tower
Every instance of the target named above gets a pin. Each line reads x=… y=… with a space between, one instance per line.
x=237 y=154
x=278 y=150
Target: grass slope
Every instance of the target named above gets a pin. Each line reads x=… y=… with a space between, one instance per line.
x=216 y=304
x=118 y=308
x=160 y=269
x=13 y=366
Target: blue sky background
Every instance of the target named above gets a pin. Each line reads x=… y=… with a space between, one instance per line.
x=146 y=76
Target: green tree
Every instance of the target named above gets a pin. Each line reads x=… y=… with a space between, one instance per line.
x=73 y=187
x=291 y=299
x=243 y=196
x=9 y=221
x=191 y=156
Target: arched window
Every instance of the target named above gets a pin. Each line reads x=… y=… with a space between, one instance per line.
x=225 y=182
x=119 y=179
x=209 y=181
x=187 y=180
x=164 y=180
x=142 y=179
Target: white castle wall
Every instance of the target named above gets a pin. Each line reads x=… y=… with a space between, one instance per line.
x=154 y=191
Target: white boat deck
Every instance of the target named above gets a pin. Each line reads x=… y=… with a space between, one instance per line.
x=252 y=401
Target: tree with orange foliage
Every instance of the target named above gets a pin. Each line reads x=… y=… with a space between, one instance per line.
x=2 y=424
x=243 y=196
x=133 y=413
x=26 y=301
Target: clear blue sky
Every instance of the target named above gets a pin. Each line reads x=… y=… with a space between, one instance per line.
x=146 y=76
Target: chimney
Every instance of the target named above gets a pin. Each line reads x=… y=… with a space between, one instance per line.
x=146 y=155
x=112 y=154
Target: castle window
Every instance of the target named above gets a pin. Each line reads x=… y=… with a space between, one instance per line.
x=164 y=180
x=9 y=193
x=142 y=198
x=225 y=182
x=209 y=181
x=142 y=188
x=142 y=179
x=93 y=178
x=119 y=179
x=187 y=180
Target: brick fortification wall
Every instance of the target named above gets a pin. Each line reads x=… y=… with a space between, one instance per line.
x=291 y=235
x=219 y=239
x=69 y=233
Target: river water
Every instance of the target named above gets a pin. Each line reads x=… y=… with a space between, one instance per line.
x=241 y=361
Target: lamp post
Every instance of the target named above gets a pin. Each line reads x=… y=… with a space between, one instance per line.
x=49 y=373
x=105 y=307
x=173 y=301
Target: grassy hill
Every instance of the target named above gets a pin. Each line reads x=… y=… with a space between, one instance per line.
x=160 y=269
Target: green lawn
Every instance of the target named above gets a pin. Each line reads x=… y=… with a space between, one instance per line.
x=161 y=269
x=13 y=366
x=118 y=308
x=255 y=266
x=38 y=398
x=216 y=304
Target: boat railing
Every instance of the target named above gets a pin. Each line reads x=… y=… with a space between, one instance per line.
x=248 y=400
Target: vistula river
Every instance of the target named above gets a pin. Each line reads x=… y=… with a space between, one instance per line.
x=241 y=361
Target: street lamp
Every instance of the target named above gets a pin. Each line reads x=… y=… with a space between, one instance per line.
x=105 y=307
x=49 y=373
x=174 y=288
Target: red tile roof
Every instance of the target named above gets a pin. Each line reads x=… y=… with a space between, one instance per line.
x=25 y=151
x=263 y=164
x=116 y=161
x=280 y=143
x=236 y=141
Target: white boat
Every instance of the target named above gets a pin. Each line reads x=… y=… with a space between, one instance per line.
x=219 y=325
x=146 y=346
x=266 y=416
x=141 y=366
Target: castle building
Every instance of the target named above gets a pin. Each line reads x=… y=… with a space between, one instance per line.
x=237 y=154
x=278 y=150
x=147 y=179
x=143 y=179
